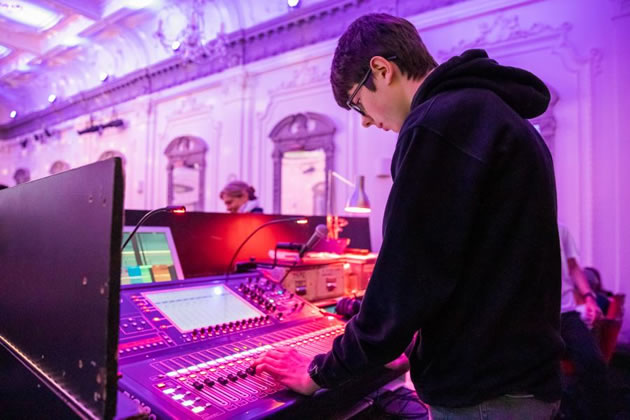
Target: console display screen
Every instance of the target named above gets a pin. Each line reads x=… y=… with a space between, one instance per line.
x=196 y=307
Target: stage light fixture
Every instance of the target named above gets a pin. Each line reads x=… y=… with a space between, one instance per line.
x=13 y=114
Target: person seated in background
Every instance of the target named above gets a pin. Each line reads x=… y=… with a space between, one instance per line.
x=587 y=398
x=240 y=197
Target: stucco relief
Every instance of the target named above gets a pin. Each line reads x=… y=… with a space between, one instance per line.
x=306 y=74
x=505 y=31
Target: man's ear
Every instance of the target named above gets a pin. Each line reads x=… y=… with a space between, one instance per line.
x=382 y=69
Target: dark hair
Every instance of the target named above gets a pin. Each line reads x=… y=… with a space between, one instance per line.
x=2 y=187
x=371 y=35
x=238 y=189
x=594 y=278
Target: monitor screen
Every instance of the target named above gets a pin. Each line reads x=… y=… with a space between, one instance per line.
x=196 y=307
x=150 y=256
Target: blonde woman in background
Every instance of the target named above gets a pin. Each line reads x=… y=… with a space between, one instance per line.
x=240 y=197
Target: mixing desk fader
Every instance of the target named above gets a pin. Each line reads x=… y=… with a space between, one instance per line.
x=185 y=348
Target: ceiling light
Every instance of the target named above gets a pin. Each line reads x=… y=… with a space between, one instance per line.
x=138 y=4
x=293 y=3
x=30 y=14
x=175 y=45
x=4 y=51
x=103 y=76
x=72 y=41
x=13 y=114
x=52 y=97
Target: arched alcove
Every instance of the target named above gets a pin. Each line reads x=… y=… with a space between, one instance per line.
x=186 y=172
x=304 y=139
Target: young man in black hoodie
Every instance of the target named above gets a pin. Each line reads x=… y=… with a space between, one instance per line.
x=470 y=254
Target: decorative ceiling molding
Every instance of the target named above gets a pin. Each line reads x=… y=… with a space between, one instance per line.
x=306 y=26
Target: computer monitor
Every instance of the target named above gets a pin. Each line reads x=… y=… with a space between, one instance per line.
x=150 y=256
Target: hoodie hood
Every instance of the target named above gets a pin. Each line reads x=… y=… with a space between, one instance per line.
x=520 y=89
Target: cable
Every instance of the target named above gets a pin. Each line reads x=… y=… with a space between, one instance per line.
x=271 y=222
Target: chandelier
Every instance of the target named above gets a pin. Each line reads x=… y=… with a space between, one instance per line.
x=190 y=43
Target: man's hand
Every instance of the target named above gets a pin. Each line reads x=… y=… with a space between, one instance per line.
x=288 y=367
x=593 y=312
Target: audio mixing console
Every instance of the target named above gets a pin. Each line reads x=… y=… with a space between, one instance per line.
x=185 y=348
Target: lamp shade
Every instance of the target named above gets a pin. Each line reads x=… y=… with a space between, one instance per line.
x=358 y=201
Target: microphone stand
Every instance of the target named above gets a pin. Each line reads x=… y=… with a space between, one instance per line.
x=168 y=209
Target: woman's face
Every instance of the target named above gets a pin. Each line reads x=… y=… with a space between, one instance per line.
x=233 y=203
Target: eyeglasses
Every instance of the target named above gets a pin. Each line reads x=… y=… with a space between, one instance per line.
x=358 y=107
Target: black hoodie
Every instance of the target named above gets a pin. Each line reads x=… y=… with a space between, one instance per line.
x=470 y=254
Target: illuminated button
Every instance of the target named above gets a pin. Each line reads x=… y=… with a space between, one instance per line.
x=169 y=391
x=182 y=371
x=161 y=385
x=198 y=410
x=172 y=374
x=188 y=403
x=178 y=396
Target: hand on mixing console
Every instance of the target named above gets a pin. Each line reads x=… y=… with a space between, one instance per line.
x=288 y=367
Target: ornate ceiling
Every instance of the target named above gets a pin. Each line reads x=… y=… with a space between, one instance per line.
x=50 y=50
